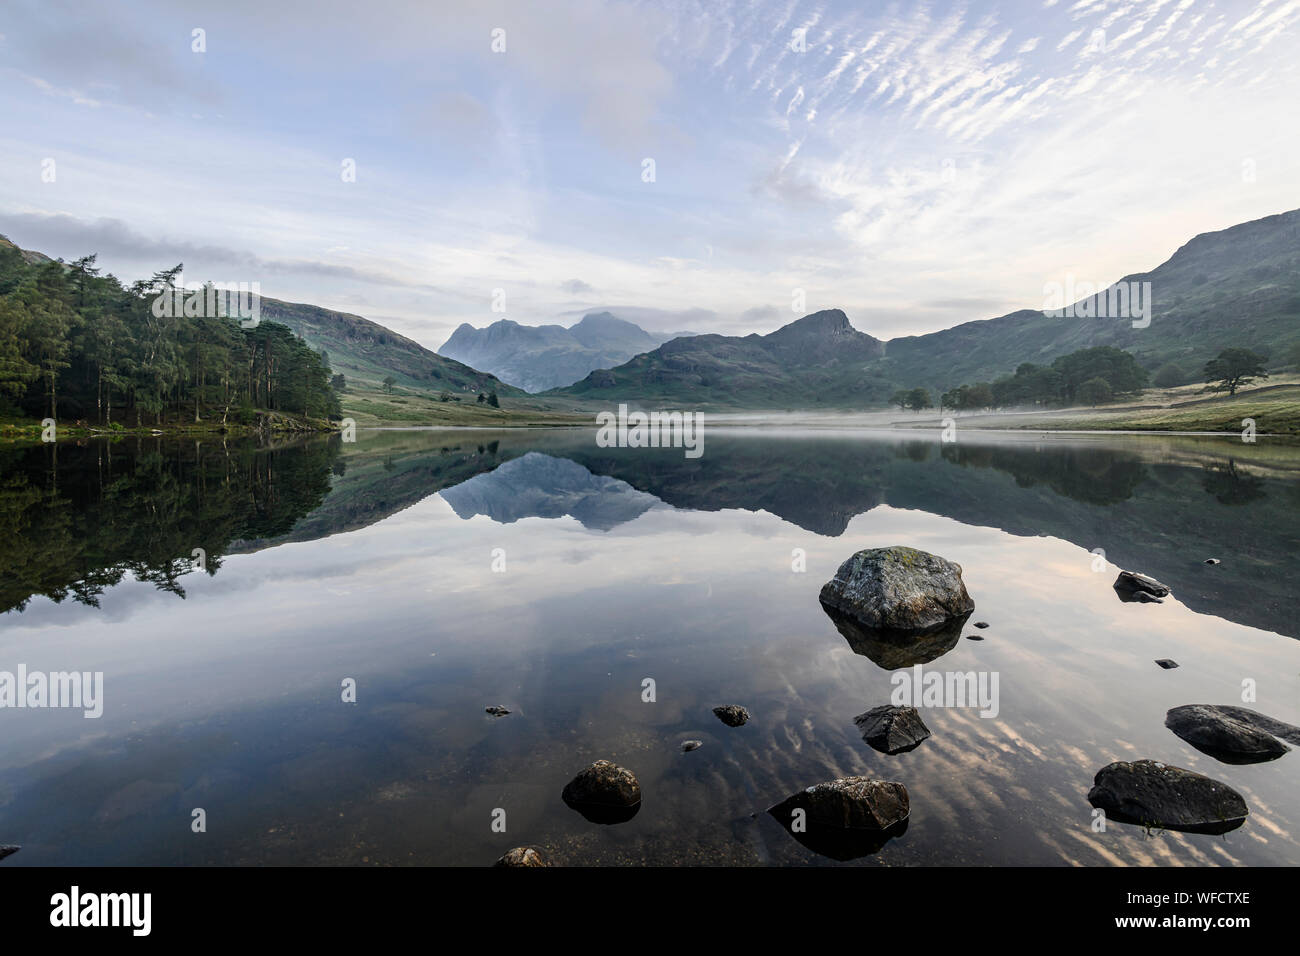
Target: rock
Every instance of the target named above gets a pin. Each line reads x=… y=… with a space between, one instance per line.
x=733 y=715
x=892 y=729
x=8 y=850
x=981 y=624
x=1167 y=664
x=899 y=590
x=1230 y=734
x=604 y=793
x=521 y=856
x=496 y=710
x=974 y=637
x=689 y=745
x=1138 y=597
x=1136 y=584
x=855 y=803
x=1213 y=561
x=1153 y=794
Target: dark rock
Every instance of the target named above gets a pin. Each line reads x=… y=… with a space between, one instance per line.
x=496 y=710
x=981 y=624
x=689 y=745
x=521 y=856
x=1167 y=664
x=898 y=589
x=974 y=637
x=855 y=803
x=604 y=793
x=1138 y=597
x=733 y=715
x=1212 y=561
x=8 y=850
x=1234 y=735
x=1153 y=794
x=1136 y=583
x=892 y=729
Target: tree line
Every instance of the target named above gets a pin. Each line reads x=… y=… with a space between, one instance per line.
x=76 y=345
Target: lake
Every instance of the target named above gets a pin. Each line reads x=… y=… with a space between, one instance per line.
x=446 y=571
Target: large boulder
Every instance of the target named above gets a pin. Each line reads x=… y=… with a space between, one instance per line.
x=892 y=729
x=1230 y=734
x=1152 y=794
x=604 y=793
x=898 y=589
x=846 y=818
x=733 y=715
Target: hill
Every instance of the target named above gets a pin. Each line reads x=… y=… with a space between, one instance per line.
x=537 y=358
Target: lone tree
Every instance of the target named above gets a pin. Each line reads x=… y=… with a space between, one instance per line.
x=389 y=382
x=492 y=400
x=899 y=398
x=1232 y=369
x=1095 y=391
x=919 y=399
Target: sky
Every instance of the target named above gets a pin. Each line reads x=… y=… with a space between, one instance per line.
x=710 y=166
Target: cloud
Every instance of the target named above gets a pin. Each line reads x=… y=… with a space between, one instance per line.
x=576 y=287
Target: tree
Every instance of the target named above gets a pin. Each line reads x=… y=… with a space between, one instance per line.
x=899 y=398
x=918 y=399
x=481 y=398
x=1095 y=391
x=339 y=382
x=1232 y=369
x=389 y=382
x=493 y=401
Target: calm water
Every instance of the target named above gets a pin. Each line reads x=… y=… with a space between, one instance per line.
x=375 y=561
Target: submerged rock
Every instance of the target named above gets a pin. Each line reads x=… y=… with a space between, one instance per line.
x=892 y=729
x=689 y=745
x=8 y=850
x=1153 y=794
x=1167 y=664
x=733 y=715
x=521 y=856
x=604 y=793
x=1138 y=584
x=496 y=710
x=1230 y=734
x=898 y=589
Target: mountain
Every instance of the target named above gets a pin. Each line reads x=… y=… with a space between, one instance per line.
x=539 y=357
x=366 y=351
x=819 y=358
x=1237 y=287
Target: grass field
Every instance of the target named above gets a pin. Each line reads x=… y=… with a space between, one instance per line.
x=404 y=406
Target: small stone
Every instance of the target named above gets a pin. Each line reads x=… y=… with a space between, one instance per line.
x=496 y=710
x=1212 y=561
x=733 y=715
x=981 y=624
x=521 y=856
x=1167 y=664
x=974 y=637
x=892 y=729
x=689 y=745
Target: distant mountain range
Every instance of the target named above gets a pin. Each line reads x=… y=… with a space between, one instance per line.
x=539 y=357
x=818 y=358
x=1237 y=287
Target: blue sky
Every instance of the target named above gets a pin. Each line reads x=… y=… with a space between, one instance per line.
x=917 y=165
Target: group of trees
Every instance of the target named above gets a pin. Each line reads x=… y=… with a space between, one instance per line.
x=1089 y=377
x=78 y=345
